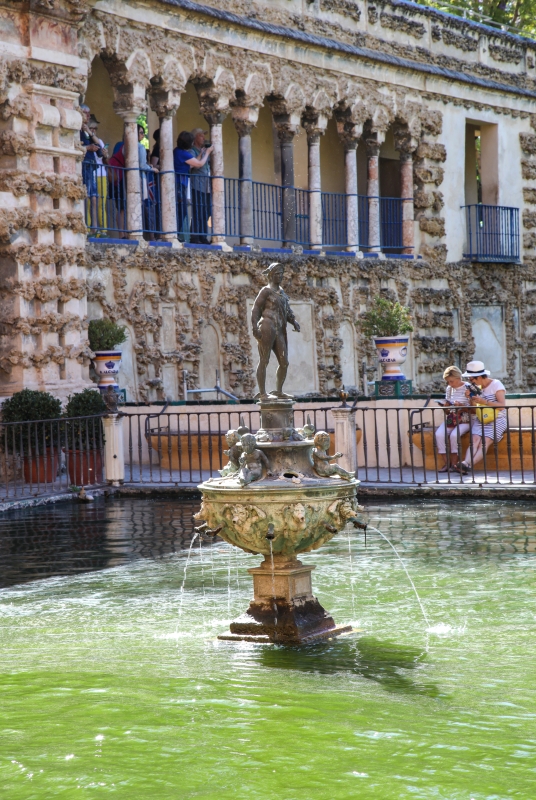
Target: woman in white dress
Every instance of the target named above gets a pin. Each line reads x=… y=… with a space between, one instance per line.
x=484 y=431
x=456 y=422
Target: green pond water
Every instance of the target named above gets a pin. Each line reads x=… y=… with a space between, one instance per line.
x=113 y=684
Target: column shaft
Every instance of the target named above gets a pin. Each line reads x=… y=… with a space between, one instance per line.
x=287 y=182
x=373 y=192
x=168 y=199
x=218 y=184
x=406 y=190
x=134 y=213
x=352 y=210
x=245 y=172
x=315 y=192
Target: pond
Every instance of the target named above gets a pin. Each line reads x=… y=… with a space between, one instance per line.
x=113 y=682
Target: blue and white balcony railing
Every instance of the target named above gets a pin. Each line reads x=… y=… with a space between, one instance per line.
x=492 y=233
x=278 y=214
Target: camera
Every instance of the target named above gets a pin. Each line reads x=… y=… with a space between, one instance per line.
x=474 y=390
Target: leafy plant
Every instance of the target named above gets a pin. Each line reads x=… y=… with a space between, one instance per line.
x=84 y=434
x=104 y=334
x=29 y=405
x=386 y=318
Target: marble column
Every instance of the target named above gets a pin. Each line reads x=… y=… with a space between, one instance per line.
x=168 y=192
x=315 y=191
x=352 y=209
x=244 y=119
x=286 y=133
x=134 y=211
x=406 y=192
x=373 y=192
x=215 y=120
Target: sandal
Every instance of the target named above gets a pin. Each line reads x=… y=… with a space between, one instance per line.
x=462 y=468
x=446 y=468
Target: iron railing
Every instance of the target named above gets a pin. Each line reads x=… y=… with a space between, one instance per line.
x=107 y=210
x=50 y=456
x=400 y=446
x=186 y=447
x=492 y=233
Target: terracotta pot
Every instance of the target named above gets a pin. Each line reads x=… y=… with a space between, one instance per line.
x=392 y=352
x=42 y=468
x=107 y=364
x=85 y=469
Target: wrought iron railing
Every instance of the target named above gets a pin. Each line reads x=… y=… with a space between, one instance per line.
x=492 y=233
x=279 y=214
x=45 y=457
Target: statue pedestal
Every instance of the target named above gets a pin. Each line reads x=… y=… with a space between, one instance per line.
x=284 y=609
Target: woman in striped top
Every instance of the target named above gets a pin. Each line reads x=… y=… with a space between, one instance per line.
x=492 y=395
x=456 y=422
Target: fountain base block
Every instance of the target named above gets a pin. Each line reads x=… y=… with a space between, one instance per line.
x=284 y=609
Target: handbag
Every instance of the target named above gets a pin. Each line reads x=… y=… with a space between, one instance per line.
x=457 y=417
x=486 y=414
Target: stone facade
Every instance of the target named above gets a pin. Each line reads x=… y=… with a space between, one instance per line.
x=377 y=72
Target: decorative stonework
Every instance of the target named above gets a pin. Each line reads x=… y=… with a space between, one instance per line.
x=396 y=22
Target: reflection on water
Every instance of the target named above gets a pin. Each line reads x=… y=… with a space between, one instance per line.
x=69 y=538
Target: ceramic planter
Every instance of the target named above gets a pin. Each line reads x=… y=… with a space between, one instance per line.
x=392 y=352
x=84 y=468
x=41 y=468
x=107 y=364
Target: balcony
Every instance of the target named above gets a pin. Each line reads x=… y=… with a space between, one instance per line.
x=492 y=233
x=269 y=215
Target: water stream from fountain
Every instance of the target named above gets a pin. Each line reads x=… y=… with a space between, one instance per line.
x=351 y=571
x=273 y=581
x=405 y=570
x=184 y=577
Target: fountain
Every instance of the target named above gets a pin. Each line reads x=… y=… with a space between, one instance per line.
x=279 y=496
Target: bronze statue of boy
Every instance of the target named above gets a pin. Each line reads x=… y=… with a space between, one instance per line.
x=269 y=318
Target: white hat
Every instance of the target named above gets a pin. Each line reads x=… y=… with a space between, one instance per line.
x=475 y=369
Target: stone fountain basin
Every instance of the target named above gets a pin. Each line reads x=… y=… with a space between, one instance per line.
x=304 y=515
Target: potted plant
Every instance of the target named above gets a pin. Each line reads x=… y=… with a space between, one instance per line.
x=389 y=324
x=31 y=429
x=104 y=335
x=84 y=437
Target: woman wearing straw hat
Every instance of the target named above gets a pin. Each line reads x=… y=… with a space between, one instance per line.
x=489 y=420
x=457 y=422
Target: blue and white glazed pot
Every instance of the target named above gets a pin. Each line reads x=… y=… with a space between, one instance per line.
x=392 y=352
x=107 y=364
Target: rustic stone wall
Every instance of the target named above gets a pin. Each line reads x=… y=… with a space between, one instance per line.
x=133 y=284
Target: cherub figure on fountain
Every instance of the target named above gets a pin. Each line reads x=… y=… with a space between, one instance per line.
x=234 y=452
x=321 y=459
x=252 y=461
x=308 y=430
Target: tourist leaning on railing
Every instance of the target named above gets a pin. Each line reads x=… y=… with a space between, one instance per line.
x=457 y=422
x=183 y=159
x=489 y=420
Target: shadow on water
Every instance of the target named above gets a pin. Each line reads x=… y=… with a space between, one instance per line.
x=385 y=663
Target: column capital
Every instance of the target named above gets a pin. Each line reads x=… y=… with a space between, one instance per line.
x=349 y=143
x=406 y=156
x=164 y=104
x=244 y=119
x=315 y=125
x=128 y=115
x=373 y=147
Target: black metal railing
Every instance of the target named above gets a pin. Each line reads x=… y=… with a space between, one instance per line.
x=492 y=233
x=50 y=456
x=107 y=211
x=186 y=447
x=401 y=446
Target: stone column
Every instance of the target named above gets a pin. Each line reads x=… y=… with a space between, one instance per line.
x=315 y=129
x=345 y=441
x=114 y=457
x=373 y=192
x=406 y=191
x=352 y=206
x=286 y=131
x=245 y=119
x=215 y=120
x=134 y=212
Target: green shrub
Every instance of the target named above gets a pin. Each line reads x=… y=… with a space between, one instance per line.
x=84 y=434
x=386 y=318
x=30 y=406
x=104 y=334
